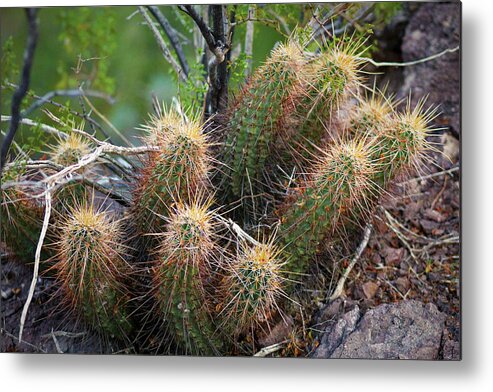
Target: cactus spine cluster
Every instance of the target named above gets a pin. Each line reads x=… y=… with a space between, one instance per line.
x=176 y=172
x=182 y=272
x=66 y=152
x=91 y=269
x=252 y=287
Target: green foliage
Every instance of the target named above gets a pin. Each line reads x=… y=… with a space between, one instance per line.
x=88 y=37
x=8 y=64
x=385 y=10
x=195 y=88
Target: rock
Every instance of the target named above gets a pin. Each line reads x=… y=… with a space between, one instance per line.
x=344 y=327
x=428 y=225
x=403 y=284
x=394 y=256
x=404 y=330
x=370 y=289
x=435 y=215
x=451 y=350
x=433 y=28
x=278 y=333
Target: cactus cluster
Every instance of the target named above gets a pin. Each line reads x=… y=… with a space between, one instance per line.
x=210 y=280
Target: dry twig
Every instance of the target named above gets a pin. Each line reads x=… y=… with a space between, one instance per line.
x=340 y=284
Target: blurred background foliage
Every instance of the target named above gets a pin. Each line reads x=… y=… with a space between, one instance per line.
x=111 y=50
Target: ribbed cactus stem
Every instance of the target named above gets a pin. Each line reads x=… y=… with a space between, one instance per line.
x=178 y=171
x=91 y=269
x=329 y=82
x=181 y=271
x=259 y=112
x=341 y=180
x=21 y=214
x=67 y=152
x=252 y=287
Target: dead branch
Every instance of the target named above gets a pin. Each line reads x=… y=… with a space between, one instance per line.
x=172 y=34
x=19 y=94
x=43 y=127
x=162 y=45
x=67 y=93
x=409 y=63
x=37 y=256
x=340 y=284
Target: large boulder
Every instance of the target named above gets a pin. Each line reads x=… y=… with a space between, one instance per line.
x=404 y=330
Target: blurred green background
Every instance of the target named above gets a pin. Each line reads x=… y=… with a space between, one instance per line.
x=130 y=66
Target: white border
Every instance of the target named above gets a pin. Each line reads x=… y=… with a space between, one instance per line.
x=474 y=373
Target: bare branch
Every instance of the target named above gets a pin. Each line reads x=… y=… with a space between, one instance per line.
x=44 y=127
x=340 y=284
x=212 y=43
x=172 y=35
x=67 y=93
x=249 y=40
x=37 y=258
x=162 y=45
x=408 y=63
x=21 y=91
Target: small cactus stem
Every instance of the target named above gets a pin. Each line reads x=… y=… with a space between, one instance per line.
x=341 y=180
x=330 y=81
x=181 y=271
x=258 y=113
x=66 y=152
x=401 y=142
x=178 y=171
x=252 y=287
x=21 y=216
x=91 y=269
x=371 y=114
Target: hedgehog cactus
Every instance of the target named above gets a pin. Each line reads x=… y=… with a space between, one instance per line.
x=260 y=111
x=401 y=143
x=91 y=269
x=181 y=274
x=178 y=171
x=329 y=82
x=66 y=152
x=341 y=180
x=371 y=114
x=69 y=150
x=21 y=217
x=252 y=286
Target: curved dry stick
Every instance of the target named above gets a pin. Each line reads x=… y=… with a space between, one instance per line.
x=37 y=258
x=340 y=284
x=408 y=63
